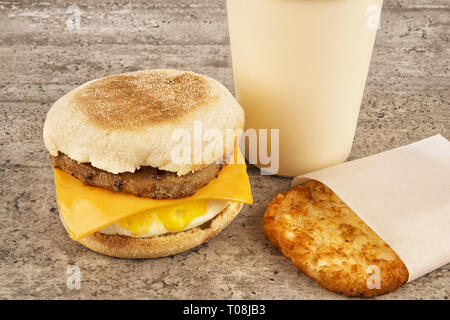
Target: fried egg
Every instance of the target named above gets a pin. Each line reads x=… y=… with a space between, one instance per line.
x=159 y=221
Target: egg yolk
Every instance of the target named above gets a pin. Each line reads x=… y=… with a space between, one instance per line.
x=174 y=218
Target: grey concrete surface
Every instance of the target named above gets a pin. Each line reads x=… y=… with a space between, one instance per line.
x=407 y=98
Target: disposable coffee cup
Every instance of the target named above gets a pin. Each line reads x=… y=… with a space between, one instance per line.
x=300 y=67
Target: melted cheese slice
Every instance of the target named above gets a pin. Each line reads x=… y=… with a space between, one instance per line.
x=87 y=209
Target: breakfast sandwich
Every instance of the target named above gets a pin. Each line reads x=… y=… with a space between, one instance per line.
x=312 y=227
x=137 y=175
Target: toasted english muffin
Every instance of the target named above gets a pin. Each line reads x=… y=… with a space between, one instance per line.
x=326 y=240
x=124 y=147
x=126 y=121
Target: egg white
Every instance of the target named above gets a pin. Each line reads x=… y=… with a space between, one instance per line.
x=214 y=207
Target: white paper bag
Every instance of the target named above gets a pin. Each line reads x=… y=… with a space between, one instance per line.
x=404 y=196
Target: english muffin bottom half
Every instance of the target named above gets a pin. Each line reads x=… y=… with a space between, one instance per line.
x=121 y=189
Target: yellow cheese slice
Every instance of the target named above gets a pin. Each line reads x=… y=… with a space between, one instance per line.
x=86 y=209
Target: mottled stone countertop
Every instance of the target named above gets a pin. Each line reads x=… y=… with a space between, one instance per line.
x=407 y=98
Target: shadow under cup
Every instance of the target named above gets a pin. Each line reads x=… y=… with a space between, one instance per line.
x=300 y=66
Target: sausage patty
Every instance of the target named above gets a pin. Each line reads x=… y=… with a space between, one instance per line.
x=146 y=182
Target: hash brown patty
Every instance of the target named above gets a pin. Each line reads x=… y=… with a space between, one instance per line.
x=312 y=227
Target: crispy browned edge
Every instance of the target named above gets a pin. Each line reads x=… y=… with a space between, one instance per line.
x=160 y=246
x=393 y=281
